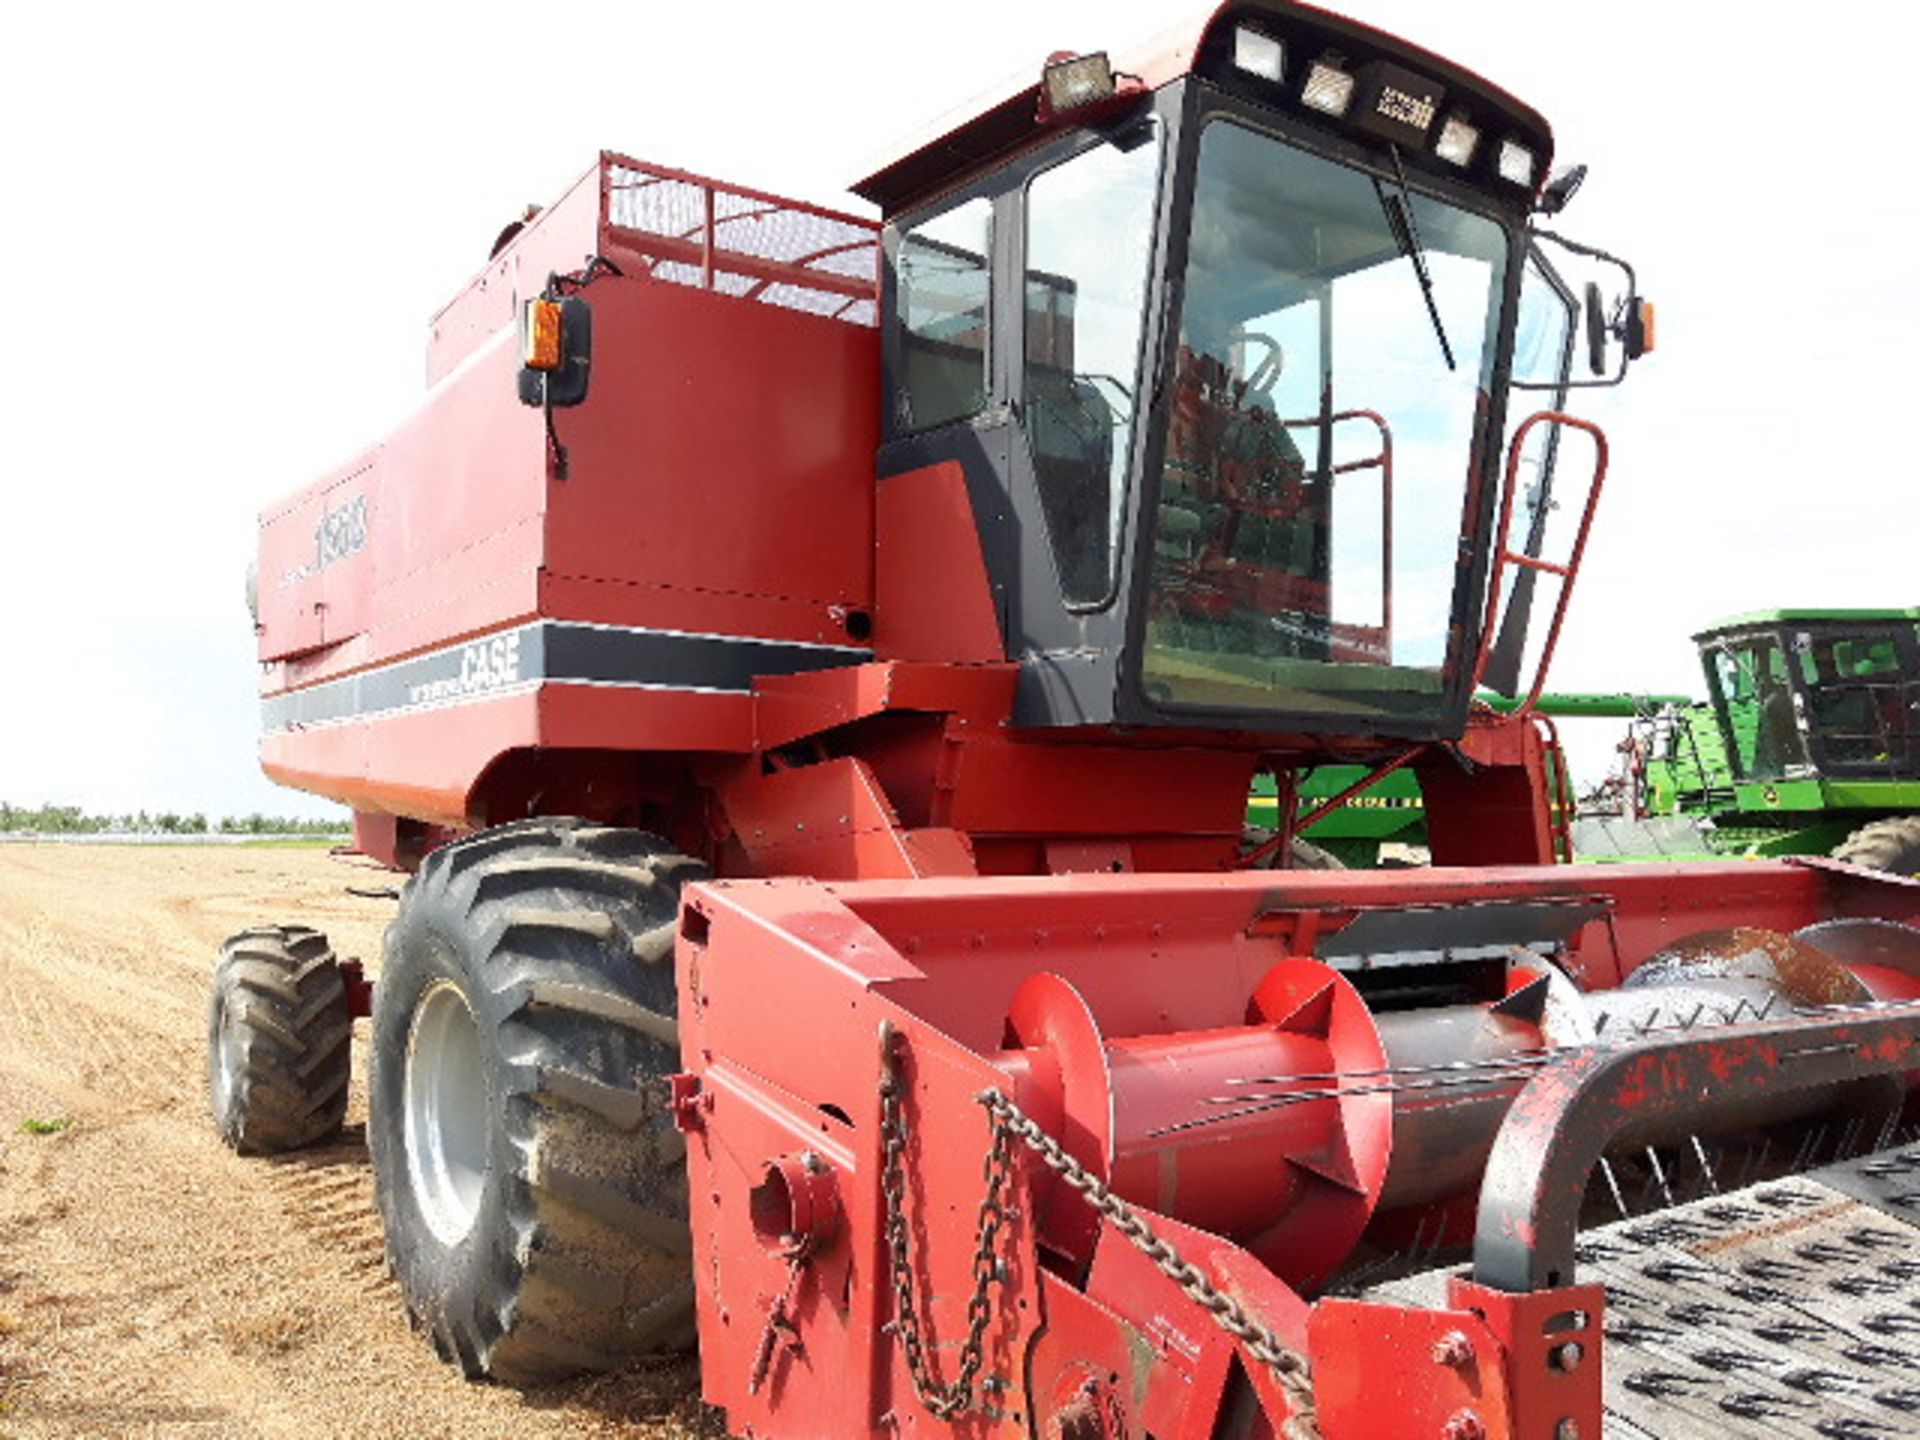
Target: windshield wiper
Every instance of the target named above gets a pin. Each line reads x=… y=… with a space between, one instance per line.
x=1406 y=234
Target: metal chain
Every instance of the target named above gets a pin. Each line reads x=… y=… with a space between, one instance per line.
x=1287 y=1365
x=948 y=1400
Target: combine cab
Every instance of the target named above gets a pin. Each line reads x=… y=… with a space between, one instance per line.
x=814 y=671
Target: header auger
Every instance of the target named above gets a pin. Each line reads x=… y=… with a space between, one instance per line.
x=814 y=670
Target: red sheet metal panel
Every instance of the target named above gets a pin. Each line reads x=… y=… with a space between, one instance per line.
x=727 y=451
x=813 y=982
x=793 y=707
x=422 y=540
x=1003 y=784
x=1382 y=1372
x=428 y=761
x=288 y=604
x=411 y=763
x=1147 y=926
x=832 y=821
x=346 y=558
x=720 y=483
x=1499 y=812
x=932 y=599
x=715 y=525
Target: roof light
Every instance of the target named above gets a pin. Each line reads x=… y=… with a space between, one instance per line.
x=1069 y=83
x=1329 y=89
x=1517 y=163
x=1458 y=140
x=541 y=333
x=1259 y=54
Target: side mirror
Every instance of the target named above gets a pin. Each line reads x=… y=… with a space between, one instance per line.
x=556 y=337
x=1601 y=322
x=1632 y=326
x=1596 y=314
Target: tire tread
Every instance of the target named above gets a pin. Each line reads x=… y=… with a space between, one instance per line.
x=557 y=925
x=281 y=989
x=1892 y=845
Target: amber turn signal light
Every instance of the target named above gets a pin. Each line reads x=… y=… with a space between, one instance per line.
x=1640 y=328
x=542 y=332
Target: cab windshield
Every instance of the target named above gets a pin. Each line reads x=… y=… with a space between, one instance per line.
x=1308 y=540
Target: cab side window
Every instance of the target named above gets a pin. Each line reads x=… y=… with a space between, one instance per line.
x=942 y=298
x=1089 y=232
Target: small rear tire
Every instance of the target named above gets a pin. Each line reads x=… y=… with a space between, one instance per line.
x=527 y=1169
x=1892 y=845
x=279 y=1038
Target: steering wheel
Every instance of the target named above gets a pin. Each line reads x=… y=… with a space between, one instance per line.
x=1266 y=374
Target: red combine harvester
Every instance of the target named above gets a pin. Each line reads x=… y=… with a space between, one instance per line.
x=814 y=670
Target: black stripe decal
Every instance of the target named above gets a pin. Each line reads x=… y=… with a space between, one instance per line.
x=557 y=651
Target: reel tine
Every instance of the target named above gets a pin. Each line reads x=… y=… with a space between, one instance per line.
x=1613 y=1184
x=1660 y=1174
x=1706 y=1165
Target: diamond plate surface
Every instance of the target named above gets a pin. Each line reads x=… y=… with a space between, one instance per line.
x=1788 y=1309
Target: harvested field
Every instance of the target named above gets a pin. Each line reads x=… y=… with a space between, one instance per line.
x=152 y=1283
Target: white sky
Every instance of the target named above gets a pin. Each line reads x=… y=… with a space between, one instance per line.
x=223 y=228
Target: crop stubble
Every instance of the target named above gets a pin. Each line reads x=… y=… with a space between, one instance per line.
x=151 y=1282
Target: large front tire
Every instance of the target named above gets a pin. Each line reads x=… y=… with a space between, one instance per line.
x=530 y=1179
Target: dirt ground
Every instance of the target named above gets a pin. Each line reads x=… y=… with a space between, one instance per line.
x=152 y=1283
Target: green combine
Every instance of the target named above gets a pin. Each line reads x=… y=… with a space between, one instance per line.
x=1808 y=744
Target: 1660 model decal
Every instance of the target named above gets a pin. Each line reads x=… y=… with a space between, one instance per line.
x=341 y=532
